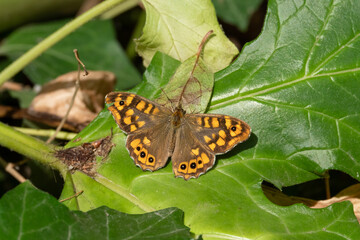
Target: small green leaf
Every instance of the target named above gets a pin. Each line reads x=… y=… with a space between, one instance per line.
x=236 y=12
x=197 y=88
x=95 y=41
x=28 y=213
x=177 y=28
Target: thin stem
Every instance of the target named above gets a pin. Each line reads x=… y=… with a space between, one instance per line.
x=77 y=87
x=46 y=133
x=73 y=196
x=54 y=38
x=201 y=47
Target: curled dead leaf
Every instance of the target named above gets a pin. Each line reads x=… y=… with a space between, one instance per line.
x=51 y=104
x=351 y=194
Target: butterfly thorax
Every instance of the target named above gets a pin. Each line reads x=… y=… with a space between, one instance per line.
x=177 y=116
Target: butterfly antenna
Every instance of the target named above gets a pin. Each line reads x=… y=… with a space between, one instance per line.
x=201 y=47
x=172 y=107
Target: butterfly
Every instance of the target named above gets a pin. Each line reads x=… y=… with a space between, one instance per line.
x=155 y=133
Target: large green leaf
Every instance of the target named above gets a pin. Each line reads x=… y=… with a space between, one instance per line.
x=95 y=41
x=177 y=28
x=28 y=213
x=298 y=87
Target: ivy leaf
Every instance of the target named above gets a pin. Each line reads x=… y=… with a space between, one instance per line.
x=95 y=41
x=176 y=28
x=298 y=86
x=28 y=213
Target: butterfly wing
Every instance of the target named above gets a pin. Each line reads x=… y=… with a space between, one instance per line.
x=220 y=133
x=150 y=148
x=133 y=112
x=147 y=125
x=201 y=137
x=191 y=158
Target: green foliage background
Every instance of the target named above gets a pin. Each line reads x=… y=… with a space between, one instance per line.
x=297 y=85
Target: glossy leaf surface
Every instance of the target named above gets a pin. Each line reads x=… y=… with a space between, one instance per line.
x=298 y=87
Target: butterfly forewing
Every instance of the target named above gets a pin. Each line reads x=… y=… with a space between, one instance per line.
x=133 y=112
x=220 y=133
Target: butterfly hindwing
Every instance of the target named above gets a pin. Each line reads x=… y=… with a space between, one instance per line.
x=191 y=158
x=220 y=133
x=150 y=147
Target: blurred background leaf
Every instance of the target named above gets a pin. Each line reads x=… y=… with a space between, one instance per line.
x=236 y=12
x=95 y=41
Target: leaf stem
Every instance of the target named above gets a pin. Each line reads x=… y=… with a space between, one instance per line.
x=51 y=40
x=29 y=147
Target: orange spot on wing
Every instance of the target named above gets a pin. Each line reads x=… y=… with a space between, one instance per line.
x=129 y=100
x=141 y=123
x=146 y=141
x=156 y=110
x=148 y=109
x=220 y=142
x=212 y=146
x=195 y=151
x=129 y=112
x=222 y=134
x=207 y=139
x=205 y=158
x=127 y=120
x=140 y=106
x=132 y=128
x=135 y=143
x=215 y=122
x=206 y=122
x=227 y=122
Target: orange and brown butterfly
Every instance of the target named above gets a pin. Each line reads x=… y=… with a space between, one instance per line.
x=156 y=132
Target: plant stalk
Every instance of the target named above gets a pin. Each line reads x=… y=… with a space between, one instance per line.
x=54 y=38
x=29 y=147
